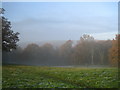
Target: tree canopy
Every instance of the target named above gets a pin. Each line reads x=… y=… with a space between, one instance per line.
x=9 y=38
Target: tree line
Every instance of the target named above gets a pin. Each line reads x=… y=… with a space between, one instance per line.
x=87 y=51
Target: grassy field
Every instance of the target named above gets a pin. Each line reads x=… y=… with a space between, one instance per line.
x=58 y=77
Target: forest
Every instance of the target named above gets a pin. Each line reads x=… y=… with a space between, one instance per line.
x=87 y=51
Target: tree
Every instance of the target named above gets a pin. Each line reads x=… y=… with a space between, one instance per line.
x=114 y=51
x=66 y=51
x=102 y=50
x=89 y=43
x=31 y=51
x=79 y=54
x=9 y=38
x=47 y=51
x=84 y=50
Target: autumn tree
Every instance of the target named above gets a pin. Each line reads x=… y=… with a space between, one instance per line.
x=9 y=38
x=84 y=50
x=113 y=53
x=31 y=52
x=66 y=51
x=79 y=54
x=47 y=51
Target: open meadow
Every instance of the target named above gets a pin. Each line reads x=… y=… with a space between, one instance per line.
x=17 y=76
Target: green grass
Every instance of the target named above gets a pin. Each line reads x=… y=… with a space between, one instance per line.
x=57 y=77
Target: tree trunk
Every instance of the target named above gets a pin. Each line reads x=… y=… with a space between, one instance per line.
x=92 y=55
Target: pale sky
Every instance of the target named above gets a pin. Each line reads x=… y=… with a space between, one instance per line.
x=41 y=21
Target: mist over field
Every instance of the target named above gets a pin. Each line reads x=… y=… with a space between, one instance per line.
x=94 y=52
x=60 y=45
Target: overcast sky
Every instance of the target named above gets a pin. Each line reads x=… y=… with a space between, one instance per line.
x=41 y=21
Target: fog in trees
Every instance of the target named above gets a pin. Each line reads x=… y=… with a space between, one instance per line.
x=87 y=51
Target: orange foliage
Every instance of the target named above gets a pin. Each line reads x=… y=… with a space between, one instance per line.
x=113 y=53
